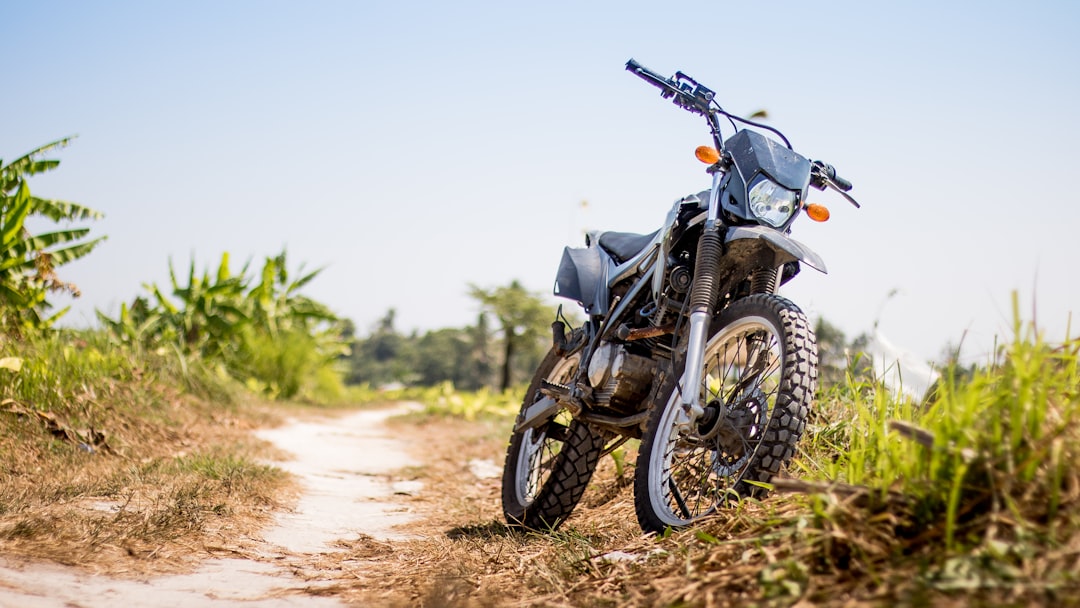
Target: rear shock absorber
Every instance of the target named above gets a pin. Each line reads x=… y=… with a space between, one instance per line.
x=764 y=280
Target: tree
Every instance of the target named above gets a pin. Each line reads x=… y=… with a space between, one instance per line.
x=384 y=357
x=442 y=355
x=832 y=352
x=28 y=262
x=951 y=371
x=479 y=357
x=523 y=318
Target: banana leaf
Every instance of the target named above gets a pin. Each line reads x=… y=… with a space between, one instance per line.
x=41 y=242
x=64 y=210
x=12 y=227
x=68 y=254
x=29 y=164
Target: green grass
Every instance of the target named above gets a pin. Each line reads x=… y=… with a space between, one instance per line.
x=975 y=487
x=76 y=377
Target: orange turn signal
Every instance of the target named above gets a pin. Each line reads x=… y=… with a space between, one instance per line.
x=707 y=155
x=818 y=213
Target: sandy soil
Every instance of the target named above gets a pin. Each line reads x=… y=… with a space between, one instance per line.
x=345 y=468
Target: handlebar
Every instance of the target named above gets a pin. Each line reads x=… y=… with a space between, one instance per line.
x=687 y=93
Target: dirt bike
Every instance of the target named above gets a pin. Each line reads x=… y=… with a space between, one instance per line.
x=686 y=345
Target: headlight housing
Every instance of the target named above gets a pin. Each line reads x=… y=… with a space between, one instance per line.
x=771 y=202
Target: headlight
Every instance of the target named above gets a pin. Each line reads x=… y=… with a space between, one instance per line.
x=771 y=202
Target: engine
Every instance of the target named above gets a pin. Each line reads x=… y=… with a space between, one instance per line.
x=619 y=378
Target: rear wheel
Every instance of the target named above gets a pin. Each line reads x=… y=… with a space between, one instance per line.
x=757 y=382
x=548 y=467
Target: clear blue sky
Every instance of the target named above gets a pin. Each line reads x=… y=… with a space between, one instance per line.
x=413 y=148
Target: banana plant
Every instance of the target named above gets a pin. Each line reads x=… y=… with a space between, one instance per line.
x=267 y=335
x=277 y=304
x=28 y=262
x=136 y=324
x=279 y=311
x=203 y=316
x=212 y=309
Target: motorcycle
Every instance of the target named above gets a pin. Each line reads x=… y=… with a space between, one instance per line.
x=686 y=344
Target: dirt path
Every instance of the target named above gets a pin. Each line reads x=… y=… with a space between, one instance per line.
x=344 y=466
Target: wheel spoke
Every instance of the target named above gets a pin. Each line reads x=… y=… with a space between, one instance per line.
x=740 y=377
x=758 y=362
x=691 y=477
x=746 y=389
x=678 y=498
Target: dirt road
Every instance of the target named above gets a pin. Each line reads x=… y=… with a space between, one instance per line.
x=345 y=468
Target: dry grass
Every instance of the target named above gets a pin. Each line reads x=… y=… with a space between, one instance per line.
x=465 y=556
x=811 y=544
x=128 y=474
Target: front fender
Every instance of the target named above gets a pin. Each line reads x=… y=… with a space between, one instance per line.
x=764 y=243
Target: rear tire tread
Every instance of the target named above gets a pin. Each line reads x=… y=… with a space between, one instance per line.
x=572 y=473
x=571 y=470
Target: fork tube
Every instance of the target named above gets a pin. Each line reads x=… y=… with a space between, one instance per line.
x=702 y=300
x=695 y=357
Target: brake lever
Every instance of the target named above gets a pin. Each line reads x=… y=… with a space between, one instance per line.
x=831 y=184
x=824 y=176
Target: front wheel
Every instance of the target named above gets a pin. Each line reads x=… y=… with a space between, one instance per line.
x=757 y=383
x=548 y=467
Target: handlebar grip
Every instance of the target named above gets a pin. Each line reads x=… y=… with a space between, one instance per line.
x=641 y=71
x=665 y=85
x=829 y=172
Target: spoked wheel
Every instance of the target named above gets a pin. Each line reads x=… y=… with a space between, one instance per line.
x=548 y=467
x=758 y=379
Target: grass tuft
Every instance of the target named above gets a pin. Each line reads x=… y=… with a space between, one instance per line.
x=112 y=461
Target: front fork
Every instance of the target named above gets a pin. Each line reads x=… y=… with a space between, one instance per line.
x=703 y=297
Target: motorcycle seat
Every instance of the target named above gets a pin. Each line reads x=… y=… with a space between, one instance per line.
x=624 y=245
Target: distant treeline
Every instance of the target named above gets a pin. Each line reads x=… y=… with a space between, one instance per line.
x=474 y=357
x=503 y=348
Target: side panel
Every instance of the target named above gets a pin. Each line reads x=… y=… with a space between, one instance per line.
x=581 y=278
